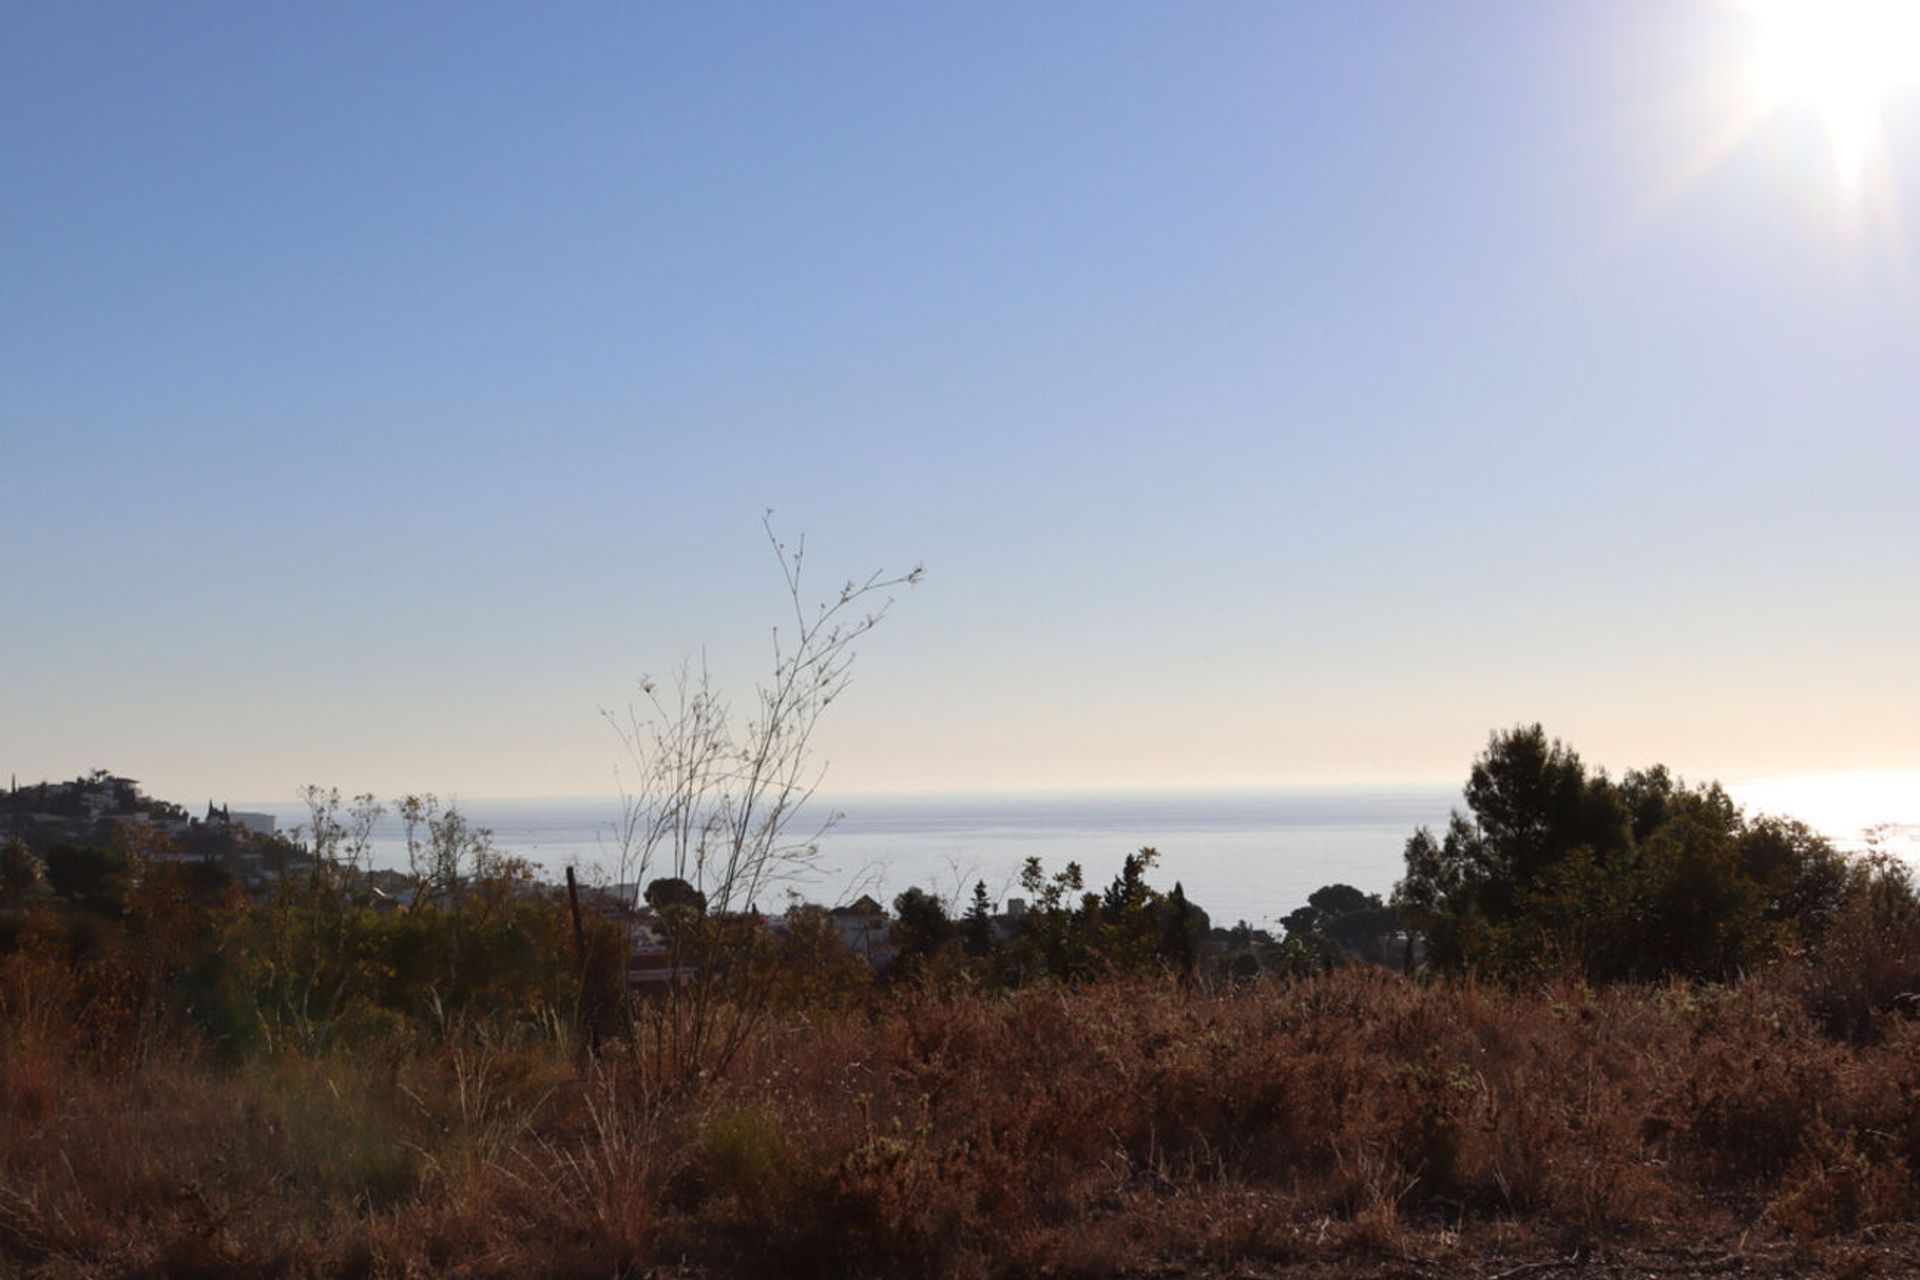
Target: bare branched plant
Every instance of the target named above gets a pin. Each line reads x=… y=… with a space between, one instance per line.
x=716 y=800
x=340 y=843
x=445 y=852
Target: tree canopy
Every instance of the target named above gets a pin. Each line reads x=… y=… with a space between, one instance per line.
x=1556 y=865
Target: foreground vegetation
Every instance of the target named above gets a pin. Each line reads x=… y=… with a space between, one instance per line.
x=173 y=1102
x=1649 y=1034
x=1347 y=1121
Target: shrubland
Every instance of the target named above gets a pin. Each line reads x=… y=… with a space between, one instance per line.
x=1351 y=1119
x=197 y=1082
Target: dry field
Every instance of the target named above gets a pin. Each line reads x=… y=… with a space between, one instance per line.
x=1352 y=1124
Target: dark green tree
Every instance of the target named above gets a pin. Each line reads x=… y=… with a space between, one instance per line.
x=1561 y=867
x=671 y=894
x=976 y=927
x=921 y=930
x=1334 y=900
x=1070 y=934
x=1179 y=948
x=91 y=877
x=20 y=872
x=1130 y=929
x=1340 y=922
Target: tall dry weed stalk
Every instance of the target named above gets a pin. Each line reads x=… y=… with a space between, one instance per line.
x=714 y=799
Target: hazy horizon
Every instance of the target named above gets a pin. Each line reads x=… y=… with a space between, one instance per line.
x=1841 y=805
x=1859 y=782
x=1241 y=852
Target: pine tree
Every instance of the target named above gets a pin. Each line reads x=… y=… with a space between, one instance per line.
x=977 y=924
x=1176 y=941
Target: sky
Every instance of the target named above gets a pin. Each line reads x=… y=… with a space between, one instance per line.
x=1274 y=394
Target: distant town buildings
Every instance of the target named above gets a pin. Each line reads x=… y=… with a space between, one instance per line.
x=102 y=808
x=260 y=824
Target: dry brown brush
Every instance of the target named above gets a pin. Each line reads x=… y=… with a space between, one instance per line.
x=1113 y=1127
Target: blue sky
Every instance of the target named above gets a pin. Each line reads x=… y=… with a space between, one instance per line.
x=1274 y=393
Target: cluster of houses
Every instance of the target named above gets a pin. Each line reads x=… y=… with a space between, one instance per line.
x=101 y=807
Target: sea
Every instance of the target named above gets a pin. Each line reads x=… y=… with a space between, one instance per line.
x=1249 y=854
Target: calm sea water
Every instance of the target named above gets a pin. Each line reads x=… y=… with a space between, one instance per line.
x=1241 y=854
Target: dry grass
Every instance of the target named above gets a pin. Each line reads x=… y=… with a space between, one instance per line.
x=1335 y=1124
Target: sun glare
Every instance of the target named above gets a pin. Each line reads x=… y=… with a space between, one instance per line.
x=1846 y=806
x=1842 y=60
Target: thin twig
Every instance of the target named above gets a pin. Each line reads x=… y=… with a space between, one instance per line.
x=1528 y=1268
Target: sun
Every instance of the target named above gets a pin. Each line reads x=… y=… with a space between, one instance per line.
x=1842 y=60
x=1847 y=67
